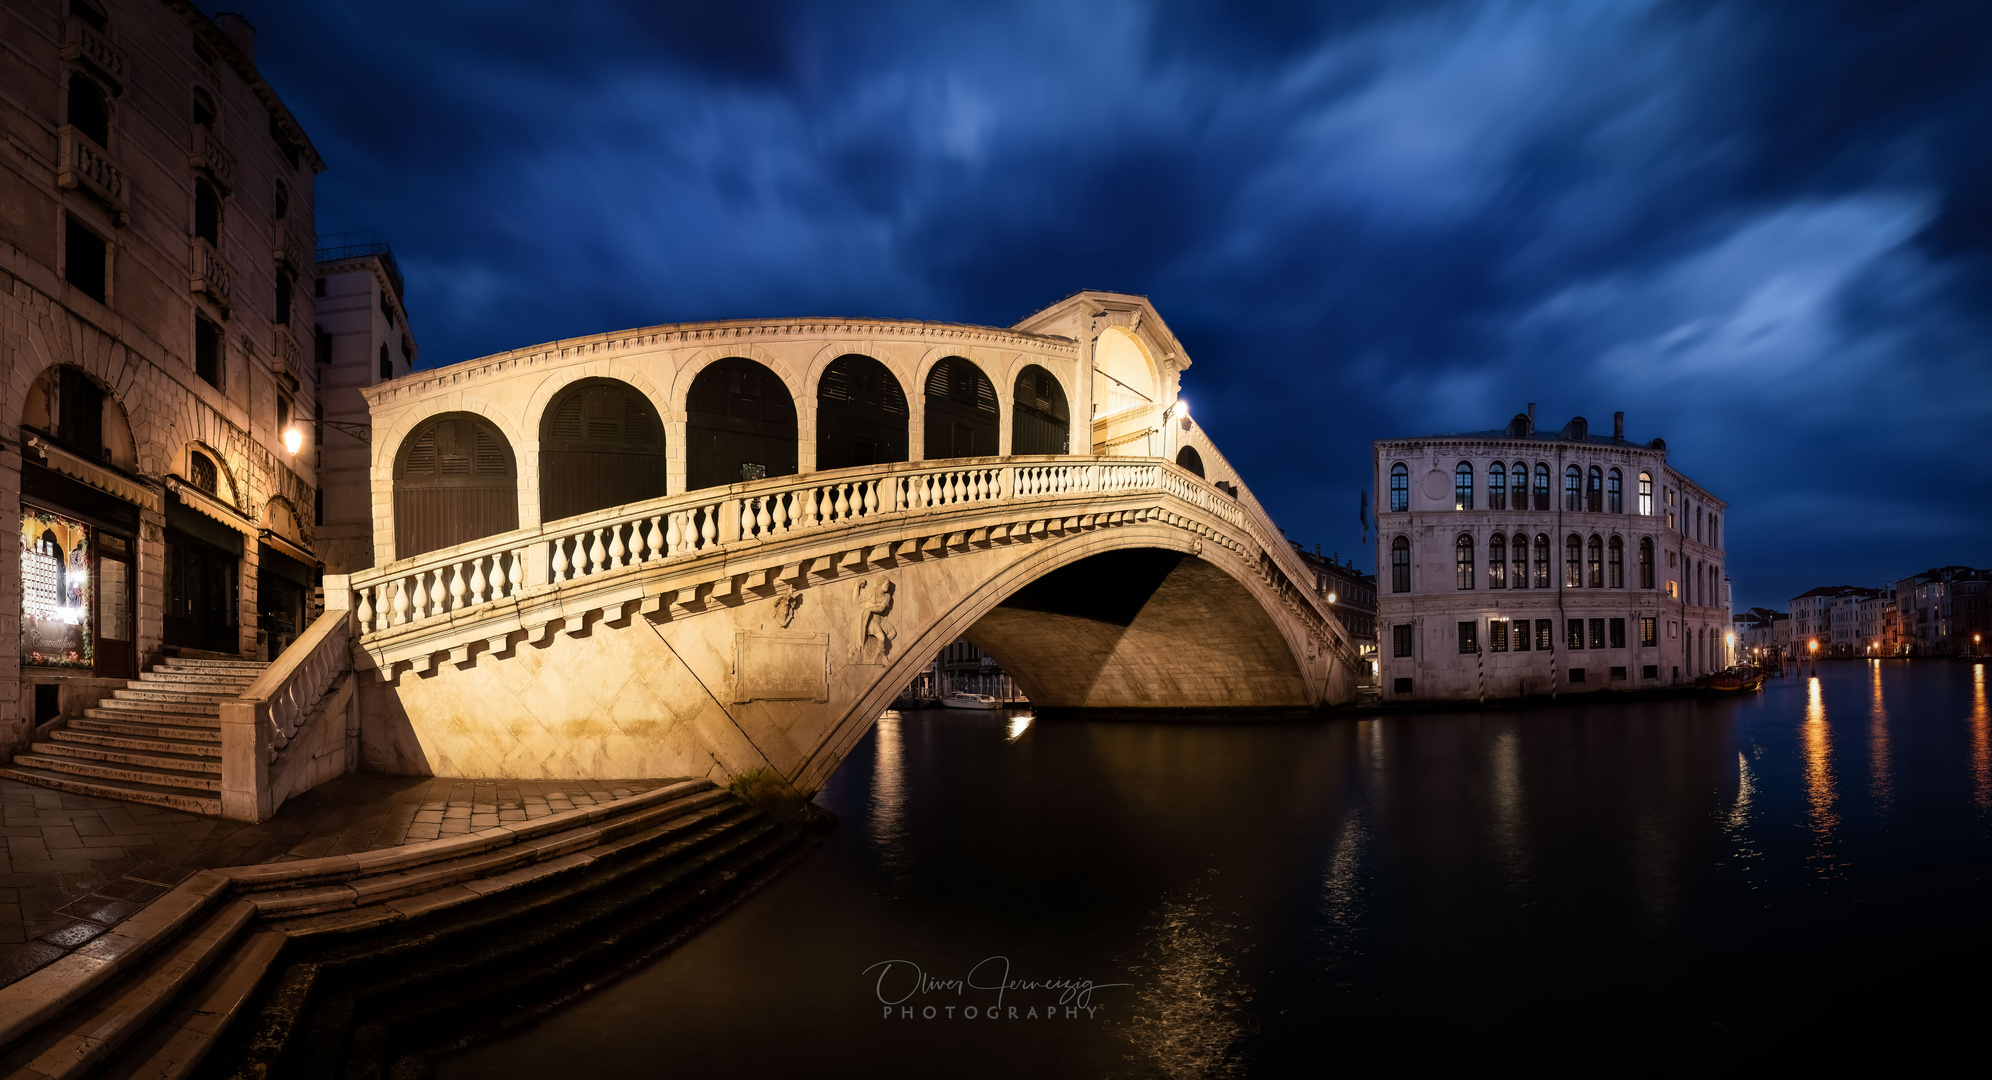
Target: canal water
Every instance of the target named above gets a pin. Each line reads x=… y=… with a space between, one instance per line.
x=1794 y=879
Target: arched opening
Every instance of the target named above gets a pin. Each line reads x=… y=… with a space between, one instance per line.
x=89 y=112
x=961 y=411
x=455 y=480
x=1123 y=379
x=207 y=213
x=204 y=110
x=601 y=445
x=1041 y=423
x=1189 y=459
x=861 y=414
x=1129 y=629
x=740 y=425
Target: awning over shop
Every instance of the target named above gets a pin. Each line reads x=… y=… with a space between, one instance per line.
x=289 y=549
x=97 y=476
x=204 y=518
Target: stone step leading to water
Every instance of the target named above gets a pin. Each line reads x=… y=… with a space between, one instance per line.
x=178 y=798
x=130 y=774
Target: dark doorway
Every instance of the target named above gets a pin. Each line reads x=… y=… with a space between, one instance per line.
x=1041 y=423
x=202 y=560
x=961 y=411
x=117 y=607
x=601 y=445
x=455 y=481
x=281 y=585
x=740 y=425
x=861 y=414
x=1189 y=459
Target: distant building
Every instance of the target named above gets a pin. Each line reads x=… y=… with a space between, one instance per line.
x=1940 y=609
x=1760 y=633
x=362 y=338
x=1833 y=616
x=1354 y=593
x=1543 y=562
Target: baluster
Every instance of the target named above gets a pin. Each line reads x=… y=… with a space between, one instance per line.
x=808 y=516
x=871 y=496
x=616 y=549
x=457 y=590
x=400 y=604
x=981 y=490
x=843 y=505
x=708 y=525
x=478 y=582
x=560 y=563
x=598 y=556
x=366 y=610
x=674 y=537
x=760 y=520
x=656 y=538
x=435 y=593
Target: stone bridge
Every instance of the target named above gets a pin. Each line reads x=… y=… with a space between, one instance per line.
x=708 y=549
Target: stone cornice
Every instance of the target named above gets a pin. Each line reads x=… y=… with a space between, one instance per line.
x=220 y=44
x=1503 y=447
x=689 y=335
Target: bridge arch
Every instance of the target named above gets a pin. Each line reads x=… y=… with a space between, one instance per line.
x=456 y=479
x=962 y=413
x=1040 y=418
x=862 y=416
x=740 y=424
x=1125 y=376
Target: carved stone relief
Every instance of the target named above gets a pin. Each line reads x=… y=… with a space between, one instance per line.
x=875 y=632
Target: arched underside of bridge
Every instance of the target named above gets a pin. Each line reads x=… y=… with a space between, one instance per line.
x=790 y=676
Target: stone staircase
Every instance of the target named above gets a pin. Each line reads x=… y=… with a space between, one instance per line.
x=156 y=741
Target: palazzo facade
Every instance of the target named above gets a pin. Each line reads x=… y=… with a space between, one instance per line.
x=1519 y=562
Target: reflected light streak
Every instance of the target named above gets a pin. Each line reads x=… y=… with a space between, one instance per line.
x=1881 y=783
x=1192 y=1005
x=1018 y=725
x=1819 y=789
x=888 y=794
x=1510 y=829
x=1981 y=740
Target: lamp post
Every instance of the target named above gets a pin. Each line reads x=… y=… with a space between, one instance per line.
x=1179 y=407
x=1813 y=645
x=294 y=434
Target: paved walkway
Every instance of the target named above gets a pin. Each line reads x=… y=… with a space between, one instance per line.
x=73 y=866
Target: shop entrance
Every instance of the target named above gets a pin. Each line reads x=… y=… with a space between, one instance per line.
x=203 y=558
x=281 y=585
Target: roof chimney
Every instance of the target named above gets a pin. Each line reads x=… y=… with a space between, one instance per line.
x=1618 y=425
x=239 y=30
x=1532 y=417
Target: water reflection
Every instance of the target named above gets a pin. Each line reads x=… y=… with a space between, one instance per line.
x=1342 y=893
x=1510 y=827
x=1881 y=784
x=1981 y=740
x=1738 y=824
x=1819 y=787
x=887 y=824
x=1191 y=1008
x=1016 y=728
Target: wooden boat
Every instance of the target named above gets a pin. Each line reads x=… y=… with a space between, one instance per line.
x=1740 y=679
x=961 y=699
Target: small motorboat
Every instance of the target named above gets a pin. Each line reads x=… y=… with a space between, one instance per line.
x=961 y=699
x=1740 y=679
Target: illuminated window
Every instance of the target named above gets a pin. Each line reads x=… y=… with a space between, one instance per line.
x=1614 y=492
x=1646 y=494
x=1521 y=557
x=1542 y=561
x=1617 y=564
x=1573 y=636
x=1463 y=487
x=1497 y=636
x=1463 y=549
x=1497 y=562
x=1595 y=578
x=1573 y=562
x=1649 y=633
x=1469 y=638
x=1545 y=634
x=1400 y=488
x=1597 y=633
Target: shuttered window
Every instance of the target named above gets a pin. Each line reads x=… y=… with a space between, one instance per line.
x=456 y=481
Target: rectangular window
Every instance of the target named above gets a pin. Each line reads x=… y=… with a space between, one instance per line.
x=207 y=351
x=1650 y=671
x=1521 y=635
x=321 y=345
x=57 y=591
x=1400 y=639
x=1597 y=633
x=1576 y=675
x=1545 y=634
x=1469 y=637
x=1463 y=488
x=1574 y=633
x=83 y=261
x=1618 y=674
x=1673 y=589
x=1497 y=636
x=1618 y=633
x=1401 y=686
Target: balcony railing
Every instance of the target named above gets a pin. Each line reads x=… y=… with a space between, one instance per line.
x=285 y=247
x=85 y=165
x=286 y=354
x=209 y=156
x=80 y=42
x=207 y=273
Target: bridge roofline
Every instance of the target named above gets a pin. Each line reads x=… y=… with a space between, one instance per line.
x=718 y=331
x=1119 y=302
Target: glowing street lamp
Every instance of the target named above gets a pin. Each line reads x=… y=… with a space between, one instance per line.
x=293 y=439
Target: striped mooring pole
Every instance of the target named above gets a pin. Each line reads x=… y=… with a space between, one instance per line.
x=1480 y=664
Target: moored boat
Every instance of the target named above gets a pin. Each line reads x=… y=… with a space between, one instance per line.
x=1740 y=679
x=961 y=699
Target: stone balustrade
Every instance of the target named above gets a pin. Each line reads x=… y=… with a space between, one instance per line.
x=208 y=273
x=287 y=732
x=83 y=164
x=209 y=156
x=80 y=42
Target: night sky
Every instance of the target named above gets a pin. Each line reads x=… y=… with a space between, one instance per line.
x=1761 y=229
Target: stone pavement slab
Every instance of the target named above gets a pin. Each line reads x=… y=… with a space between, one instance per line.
x=73 y=866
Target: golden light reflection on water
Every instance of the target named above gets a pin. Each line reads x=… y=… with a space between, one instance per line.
x=888 y=793
x=1981 y=740
x=1017 y=726
x=1191 y=1008
x=1510 y=824
x=1738 y=824
x=1881 y=770
x=1819 y=786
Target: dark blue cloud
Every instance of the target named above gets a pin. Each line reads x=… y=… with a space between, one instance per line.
x=1761 y=229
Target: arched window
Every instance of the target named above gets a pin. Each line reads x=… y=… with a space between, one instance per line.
x=207 y=213
x=601 y=445
x=1463 y=487
x=1698 y=522
x=386 y=363
x=1542 y=561
x=1188 y=458
x=1595 y=564
x=1542 y=485
x=1714 y=537
x=1521 y=557
x=1463 y=553
x=1646 y=494
x=1040 y=423
x=1400 y=565
x=202 y=473
x=1400 y=488
x=204 y=111
x=1701 y=585
x=89 y=111
x=1497 y=561
x=1573 y=489
x=454 y=481
x=1573 y=562
x=1618 y=562
x=1645 y=562
x=740 y=425
x=1497 y=486
x=1615 y=492
x=1594 y=493
x=961 y=411
x=861 y=414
